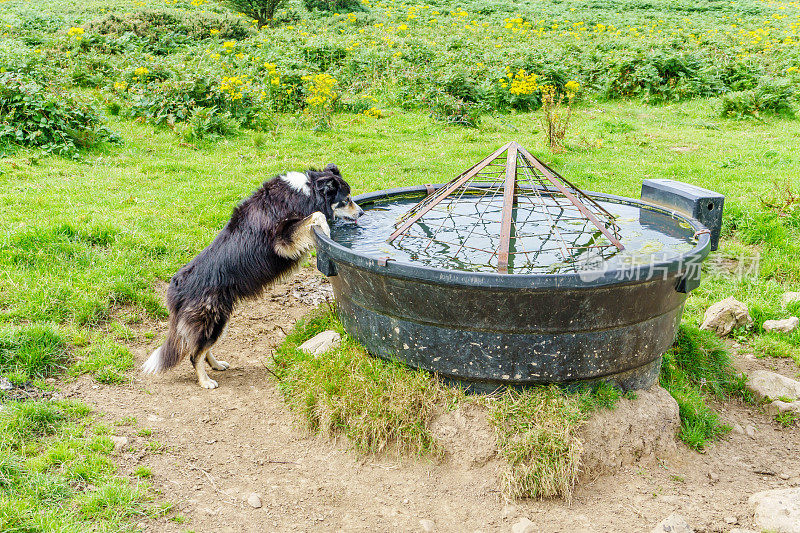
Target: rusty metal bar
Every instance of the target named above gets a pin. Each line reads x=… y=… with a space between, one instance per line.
x=509 y=187
x=571 y=197
x=445 y=191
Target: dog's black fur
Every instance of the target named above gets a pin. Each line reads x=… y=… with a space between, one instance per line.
x=266 y=237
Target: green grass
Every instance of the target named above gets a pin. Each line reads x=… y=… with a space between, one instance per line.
x=694 y=370
x=56 y=473
x=537 y=436
x=374 y=403
x=32 y=352
x=787 y=419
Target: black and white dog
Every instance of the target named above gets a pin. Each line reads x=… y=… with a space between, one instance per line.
x=266 y=238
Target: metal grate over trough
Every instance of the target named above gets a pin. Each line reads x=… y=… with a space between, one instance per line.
x=517 y=208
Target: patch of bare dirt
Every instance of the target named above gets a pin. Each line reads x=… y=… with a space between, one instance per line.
x=220 y=446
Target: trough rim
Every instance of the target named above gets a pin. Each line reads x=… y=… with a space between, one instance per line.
x=328 y=249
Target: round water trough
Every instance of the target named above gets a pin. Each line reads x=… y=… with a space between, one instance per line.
x=486 y=329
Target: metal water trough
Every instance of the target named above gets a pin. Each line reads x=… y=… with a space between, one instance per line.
x=489 y=330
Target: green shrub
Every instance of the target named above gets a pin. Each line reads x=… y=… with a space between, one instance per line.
x=450 y=109
x=157 y=25
x=32 y=115
x=175 y=100
x=208 y=123
x=661 y=75
x=261 y=10
x=772 y=96
x=334 y=6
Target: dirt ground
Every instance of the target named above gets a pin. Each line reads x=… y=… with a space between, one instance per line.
x=220 y=446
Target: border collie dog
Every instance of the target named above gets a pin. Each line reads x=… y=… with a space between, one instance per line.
x=265 y=240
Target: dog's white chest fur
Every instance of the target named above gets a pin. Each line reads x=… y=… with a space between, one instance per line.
x=297 y=181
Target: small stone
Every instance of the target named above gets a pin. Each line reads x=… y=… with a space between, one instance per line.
x=771 y=385
x=428 y=526
x=405 y=501
x=509 y=510
x=254 y=500
x=321 y=343
x=5 y=384
x=154 y=418
x=777 y=407
x=777 y=510
x=674 y=523
x=786 y=325
x=790 y=298
x=737 y=428
x=724 y=316
x=730 y=520
x=119 y=442
x=713 y=476
x=784 y=476
x=750 y=431
x=524 y=526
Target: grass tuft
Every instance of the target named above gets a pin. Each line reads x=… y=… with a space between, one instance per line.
x=32 y=352
x=103 y=358
x=375 y=403
x=537 y=435
x=696 y=368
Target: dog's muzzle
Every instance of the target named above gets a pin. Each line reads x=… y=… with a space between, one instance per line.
x=351 y=211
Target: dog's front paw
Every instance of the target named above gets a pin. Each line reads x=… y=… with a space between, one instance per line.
x=319 y=220
x=208 y=383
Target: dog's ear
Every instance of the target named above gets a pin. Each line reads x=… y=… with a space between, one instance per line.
x=333 y=169
x=326 y=186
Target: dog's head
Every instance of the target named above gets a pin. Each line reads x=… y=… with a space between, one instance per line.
x=332 y=194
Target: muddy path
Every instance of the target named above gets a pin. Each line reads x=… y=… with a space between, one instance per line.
x=215 y=448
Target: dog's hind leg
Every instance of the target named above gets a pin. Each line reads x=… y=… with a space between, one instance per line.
x=216 y=365
x=199 y=363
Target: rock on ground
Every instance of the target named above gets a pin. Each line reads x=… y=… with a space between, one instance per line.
x=790 y=298
x=771 y=385
x=524 y=526
x=254 y=500
x=778 y=407
x=674 y=523
x=321 y=343
x=777 y=510
x=119 y=443
x=723 y=316
x=787 y=325
x=428 y=526
x=466 y=435
x=643 y=429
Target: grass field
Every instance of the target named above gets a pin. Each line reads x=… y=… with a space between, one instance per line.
x=86 y=238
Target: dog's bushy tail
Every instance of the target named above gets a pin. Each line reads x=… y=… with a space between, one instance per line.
x=167 y=355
